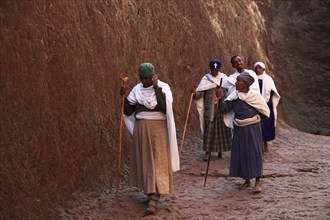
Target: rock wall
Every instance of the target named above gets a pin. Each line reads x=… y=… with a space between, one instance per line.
x=61 y=63
x=299 y=32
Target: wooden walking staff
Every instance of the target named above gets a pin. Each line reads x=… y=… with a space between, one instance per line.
x=185 y=125
x=213 y=131
x=124 y=80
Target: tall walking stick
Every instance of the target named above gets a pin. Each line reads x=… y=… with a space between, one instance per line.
x=213 y=132
x=124 y=80
x=185 y=125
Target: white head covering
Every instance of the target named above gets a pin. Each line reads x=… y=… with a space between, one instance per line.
x=259 y=64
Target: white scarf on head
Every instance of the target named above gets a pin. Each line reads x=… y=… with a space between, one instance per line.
x=207 y=82
x=268 y=85
x=147 y=97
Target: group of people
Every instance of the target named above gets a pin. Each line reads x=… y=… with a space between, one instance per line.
x=237 y=113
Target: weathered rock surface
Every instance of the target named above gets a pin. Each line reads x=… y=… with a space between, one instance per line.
x=61 y=63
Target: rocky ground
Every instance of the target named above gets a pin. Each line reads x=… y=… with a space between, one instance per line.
x=295 y=185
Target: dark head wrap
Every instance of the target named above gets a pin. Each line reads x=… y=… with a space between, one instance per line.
x=146 y=69
x=215 y=64
x=247 y=78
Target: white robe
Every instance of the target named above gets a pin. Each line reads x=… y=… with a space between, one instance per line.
x=268 y=85
x=207 y=82
x=229 y=83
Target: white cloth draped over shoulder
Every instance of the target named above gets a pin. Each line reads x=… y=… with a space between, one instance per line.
x=268 y=85
x=147 y=97
x=253 y=98
x=207 y=82
x=230 y=81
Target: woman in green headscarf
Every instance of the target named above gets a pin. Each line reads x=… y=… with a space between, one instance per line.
x=154 y=152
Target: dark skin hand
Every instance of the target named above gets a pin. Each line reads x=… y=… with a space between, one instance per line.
x=123 y=89
x=146 y=81
x=219 y=93
x=193 y=90
x=149 y=80
x=155 y=80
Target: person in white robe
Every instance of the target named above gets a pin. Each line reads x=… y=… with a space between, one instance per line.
x=238 y=63
x=229 y=83
x=154 y=152
x=216 y=136
x=272 y=97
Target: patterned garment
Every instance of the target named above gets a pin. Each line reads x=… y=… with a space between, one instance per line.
x=150 y=162
x=217 y=137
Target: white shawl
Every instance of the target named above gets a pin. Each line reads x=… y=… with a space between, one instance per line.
x=207 y=82
x=147 y=96
x=229 y=83
x=268 y=85
x=252 y=98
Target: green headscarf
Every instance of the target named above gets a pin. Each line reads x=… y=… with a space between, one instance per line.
x=146 y=69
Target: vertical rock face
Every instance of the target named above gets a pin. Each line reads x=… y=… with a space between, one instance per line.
x=300 y=33
x=61 y=64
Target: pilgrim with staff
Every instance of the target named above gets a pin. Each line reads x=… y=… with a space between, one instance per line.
x=154 y=151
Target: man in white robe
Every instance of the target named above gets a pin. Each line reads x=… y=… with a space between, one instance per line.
x=216 y=136
x=229 y=83
x=238 y=63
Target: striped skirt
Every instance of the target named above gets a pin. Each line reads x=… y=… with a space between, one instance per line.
x=220 y=134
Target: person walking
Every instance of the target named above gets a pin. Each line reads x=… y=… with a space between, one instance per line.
x=216 y=136
x=154 y=152
x=249 y=109
x=272 y=97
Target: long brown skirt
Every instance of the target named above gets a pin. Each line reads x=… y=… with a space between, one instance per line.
x=150 y=162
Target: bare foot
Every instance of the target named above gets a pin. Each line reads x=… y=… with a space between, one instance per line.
x=151 y=209
x=256 y=189
x=245 y=185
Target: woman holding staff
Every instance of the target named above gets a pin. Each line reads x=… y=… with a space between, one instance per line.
x=154 y=152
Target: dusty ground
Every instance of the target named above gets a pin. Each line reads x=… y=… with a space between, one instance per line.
x=295 y=186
